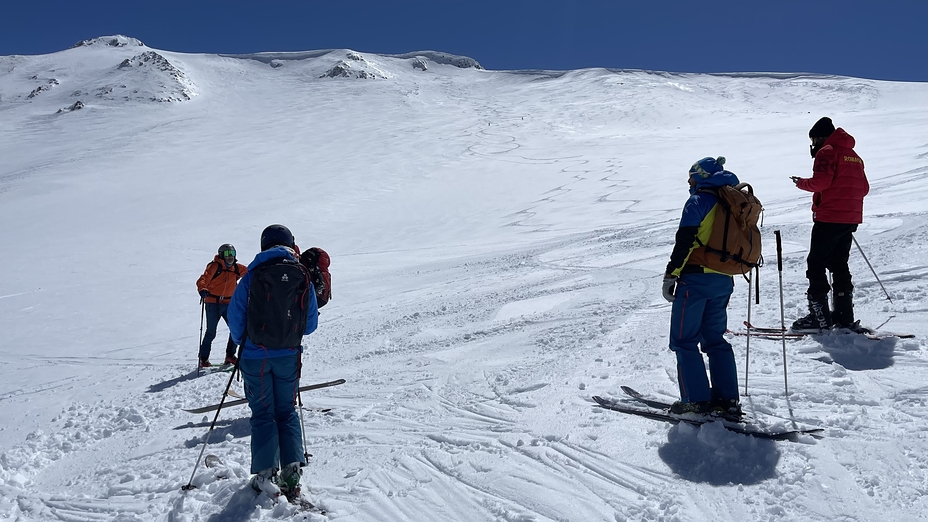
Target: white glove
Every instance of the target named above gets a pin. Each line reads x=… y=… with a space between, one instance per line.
x=668 y=287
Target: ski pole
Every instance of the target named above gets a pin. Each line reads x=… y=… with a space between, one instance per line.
x=871 y=269
x=200 y=342
x=782 y=313
x=225 y=394
x=299 y=399
x=747 y=353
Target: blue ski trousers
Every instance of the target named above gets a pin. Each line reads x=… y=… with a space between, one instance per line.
x=699 y=318
x=215 y=312
x=271 y=387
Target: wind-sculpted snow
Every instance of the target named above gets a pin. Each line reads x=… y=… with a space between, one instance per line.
x=418 y=57
x=110 y=41
x=498 y=239
x=463 y=62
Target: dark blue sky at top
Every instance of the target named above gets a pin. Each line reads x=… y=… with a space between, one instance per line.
x=883 y=39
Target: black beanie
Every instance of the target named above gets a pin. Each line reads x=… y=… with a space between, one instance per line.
x=822 y=128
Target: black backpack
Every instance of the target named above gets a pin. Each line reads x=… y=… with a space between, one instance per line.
x=278 y=299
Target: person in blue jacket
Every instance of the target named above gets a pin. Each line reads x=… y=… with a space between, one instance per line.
x=699 y=316
x=272 y=380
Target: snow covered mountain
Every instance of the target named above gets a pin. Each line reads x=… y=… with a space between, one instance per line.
x=498 y=240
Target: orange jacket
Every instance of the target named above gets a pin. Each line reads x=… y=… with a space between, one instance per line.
x=220 y=281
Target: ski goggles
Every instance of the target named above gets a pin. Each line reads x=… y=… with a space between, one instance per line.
x=228 y=253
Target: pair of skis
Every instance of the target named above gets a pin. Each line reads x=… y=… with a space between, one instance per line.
x=239 y=402
x=660 y=410
x=207 y=370
x=779 y=333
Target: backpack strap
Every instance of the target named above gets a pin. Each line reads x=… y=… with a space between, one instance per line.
x=723 y=253
x=218 y=270
x=286 y=260
x=235 y=268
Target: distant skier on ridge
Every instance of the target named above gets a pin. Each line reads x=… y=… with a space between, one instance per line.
x=699 y=317
x=839 y=185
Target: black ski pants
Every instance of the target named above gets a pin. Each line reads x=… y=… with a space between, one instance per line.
x=829 y=250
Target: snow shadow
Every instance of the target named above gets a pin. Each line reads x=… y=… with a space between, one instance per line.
x=239 y=428
x=239 y=506
x=161 y=386
x=711 y=454
x=856 y=352
x=204 y=424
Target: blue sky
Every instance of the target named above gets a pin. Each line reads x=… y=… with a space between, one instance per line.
x=883 y=39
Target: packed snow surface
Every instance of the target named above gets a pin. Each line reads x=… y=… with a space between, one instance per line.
x=497 y=242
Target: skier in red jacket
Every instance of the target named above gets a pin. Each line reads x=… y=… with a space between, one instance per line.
x=838 y=184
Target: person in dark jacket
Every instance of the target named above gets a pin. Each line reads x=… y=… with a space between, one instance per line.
x=215 y=287
x=838 y=185
x=699 y=316
x=272 y=373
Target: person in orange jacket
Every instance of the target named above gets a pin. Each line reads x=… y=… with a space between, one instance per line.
x=216 y=286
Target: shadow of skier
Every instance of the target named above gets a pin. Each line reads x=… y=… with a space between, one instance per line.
x=856 y=352
x=160 y=387
x=713 y=455
x=240 y=506
x=206 y=424
x=239 y=428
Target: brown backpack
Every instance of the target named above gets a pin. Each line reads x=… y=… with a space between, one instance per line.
x=734 y=244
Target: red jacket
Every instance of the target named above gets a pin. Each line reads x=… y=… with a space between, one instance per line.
x=220 y=281
x=838 y=181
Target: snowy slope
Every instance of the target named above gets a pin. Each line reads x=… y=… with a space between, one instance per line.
x=497 y=239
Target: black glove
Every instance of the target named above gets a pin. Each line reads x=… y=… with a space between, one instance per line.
x=668 y=288
x=203 y=294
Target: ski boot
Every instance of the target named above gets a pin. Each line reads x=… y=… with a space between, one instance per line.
x=728 y=409
x=819 y=317
x=290 y=480
x=699 y=408
x=266 y=481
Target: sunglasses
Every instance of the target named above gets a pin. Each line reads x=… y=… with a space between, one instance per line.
x=228 y=253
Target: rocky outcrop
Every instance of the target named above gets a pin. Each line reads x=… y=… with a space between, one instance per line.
x=76 y=106
x=343 y=69
x=110 y=41
x=42 y=88
x=153 y=77
x=421 y=63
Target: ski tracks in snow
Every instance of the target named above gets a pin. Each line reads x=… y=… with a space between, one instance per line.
x=473 y=404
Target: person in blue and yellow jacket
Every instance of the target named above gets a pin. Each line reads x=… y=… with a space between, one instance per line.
x=699 y=316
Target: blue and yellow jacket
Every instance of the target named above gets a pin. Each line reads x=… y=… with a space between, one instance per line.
x=696 y=223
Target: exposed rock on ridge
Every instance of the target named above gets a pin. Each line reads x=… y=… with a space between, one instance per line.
x=152 y=68
x=110 y=41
